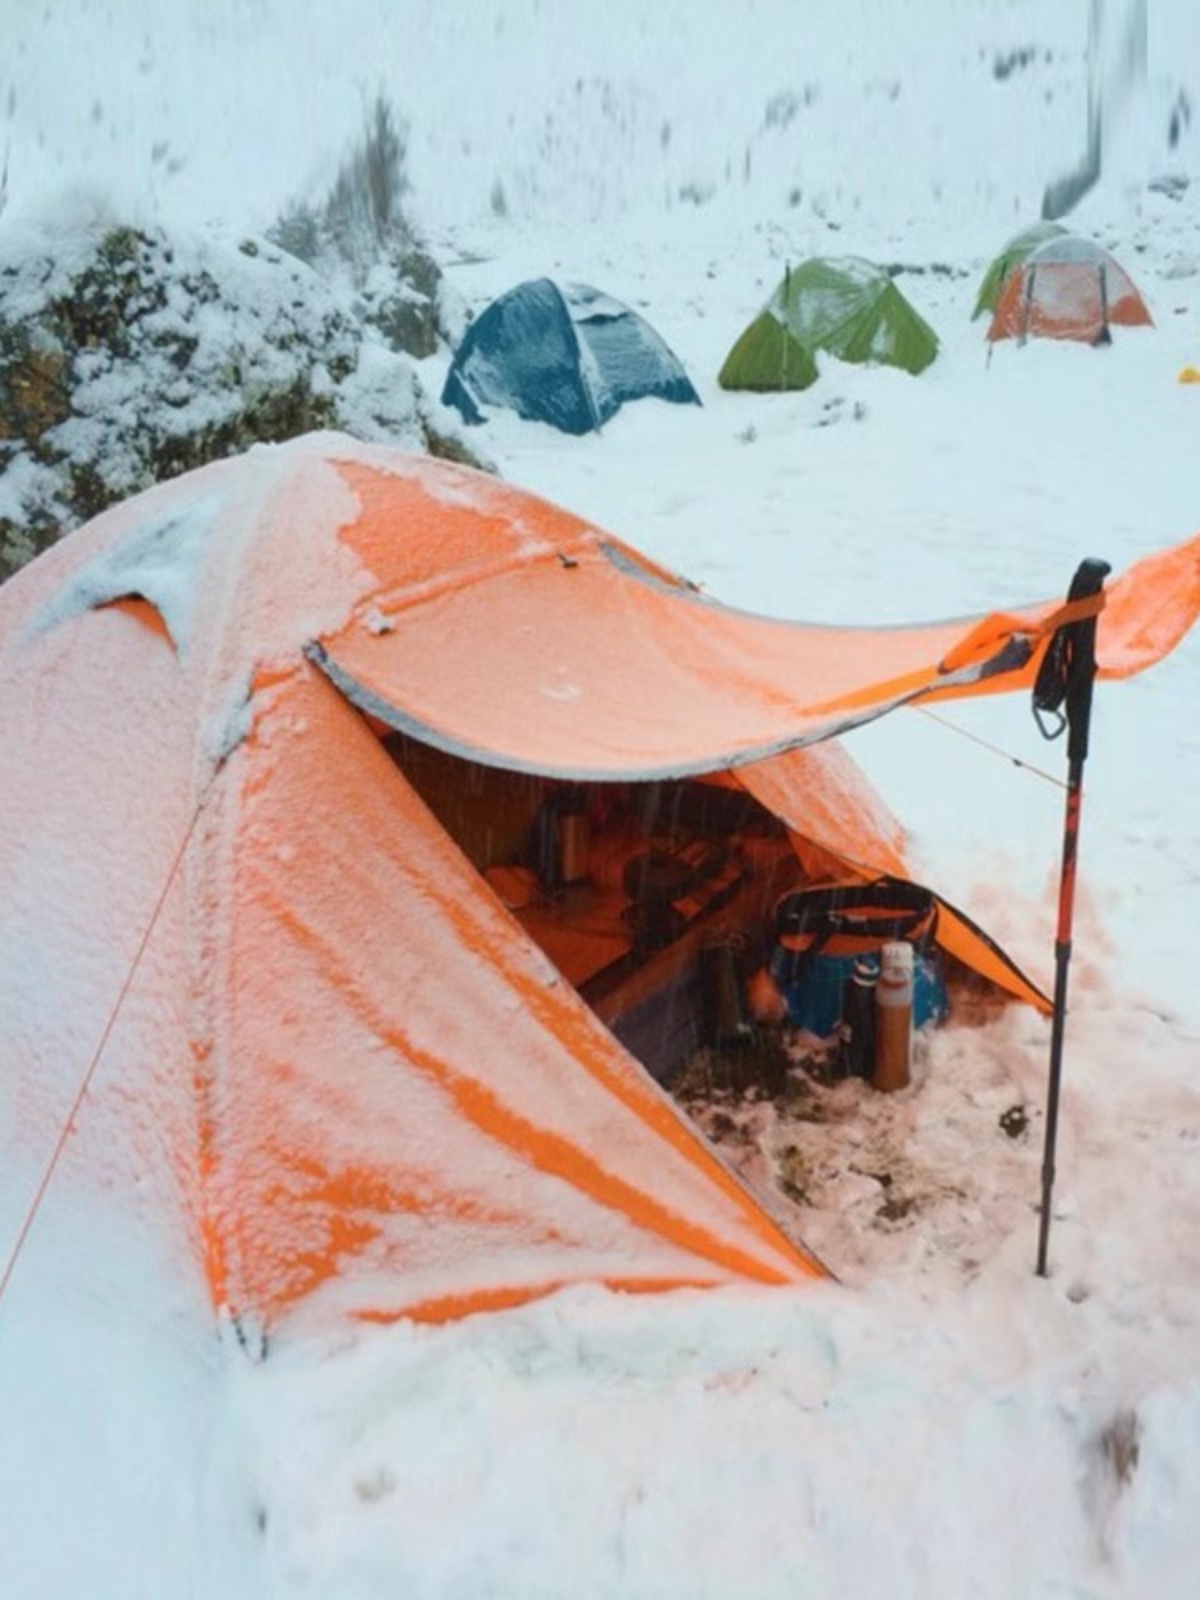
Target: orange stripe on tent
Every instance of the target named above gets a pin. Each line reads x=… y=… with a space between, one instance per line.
x=149 y=616
x=448 y=1308
x=591 y=1049
x=300 y=1213
x=345 y=1191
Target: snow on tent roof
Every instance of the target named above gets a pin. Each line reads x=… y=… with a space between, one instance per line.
x=331 y=1072
x=1068 y=247
x=1068 y=288
x=1010 y=254
x=585 y=303
x=849 y=307
x=565 y=354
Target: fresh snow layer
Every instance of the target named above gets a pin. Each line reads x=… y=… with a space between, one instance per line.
x=941 y=1422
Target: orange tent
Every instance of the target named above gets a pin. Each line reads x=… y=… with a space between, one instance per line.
x=322 y=1055
x=1068 y=288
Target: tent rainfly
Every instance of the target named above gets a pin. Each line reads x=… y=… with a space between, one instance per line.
x=1068 y=288
x=848 y=307
x=565 y=354
x=1011 y=255
x=334 y=1064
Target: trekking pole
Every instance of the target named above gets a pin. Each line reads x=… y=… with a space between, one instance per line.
x=1067 y=673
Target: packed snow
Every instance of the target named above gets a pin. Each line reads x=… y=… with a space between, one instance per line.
x=939 y=1421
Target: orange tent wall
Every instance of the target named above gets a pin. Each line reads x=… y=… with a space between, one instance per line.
x=1063 y=300
x=414 y=1114
x=99 y=726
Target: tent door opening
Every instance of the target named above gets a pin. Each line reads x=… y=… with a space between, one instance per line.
x=655 y=900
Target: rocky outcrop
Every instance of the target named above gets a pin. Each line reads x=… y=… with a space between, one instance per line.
x=128 y=356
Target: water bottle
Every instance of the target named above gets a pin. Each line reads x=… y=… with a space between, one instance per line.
x=857 y=1031
x=893 y=1018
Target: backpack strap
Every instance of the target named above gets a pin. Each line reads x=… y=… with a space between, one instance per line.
x=861 y=916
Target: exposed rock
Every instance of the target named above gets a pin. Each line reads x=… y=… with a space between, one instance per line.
x=406 y=300
x=360 y=238
x=127 y=356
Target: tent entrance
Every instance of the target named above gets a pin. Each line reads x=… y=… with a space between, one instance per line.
x=654 y=899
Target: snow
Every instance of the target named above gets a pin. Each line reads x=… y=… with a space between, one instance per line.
x=160 y=562
x=1068 y=249
x=940 y=1422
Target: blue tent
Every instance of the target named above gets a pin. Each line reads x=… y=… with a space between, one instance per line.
x=564 y=354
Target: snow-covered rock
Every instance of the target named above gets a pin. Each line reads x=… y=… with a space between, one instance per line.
x=128 y=355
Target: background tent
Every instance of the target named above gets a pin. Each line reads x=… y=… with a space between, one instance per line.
x=564 y=354
x=1068 y=288
x=847 y=306
x=768 y=356
x=327 y=1067
x=1011 y=255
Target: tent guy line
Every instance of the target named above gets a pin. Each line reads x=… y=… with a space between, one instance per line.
x=986 y=744
x=70 y=1120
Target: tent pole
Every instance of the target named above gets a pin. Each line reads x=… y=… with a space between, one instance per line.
x=1067 y=673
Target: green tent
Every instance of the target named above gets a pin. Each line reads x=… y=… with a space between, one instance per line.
x=1014 y=252
x=850 y=308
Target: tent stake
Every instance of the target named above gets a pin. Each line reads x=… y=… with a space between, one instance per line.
x=1067 y=673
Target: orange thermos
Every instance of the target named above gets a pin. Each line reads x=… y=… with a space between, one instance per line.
x=893 y=1018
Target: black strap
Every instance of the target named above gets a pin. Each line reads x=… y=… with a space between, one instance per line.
x=1069 y=665
x=887 y=909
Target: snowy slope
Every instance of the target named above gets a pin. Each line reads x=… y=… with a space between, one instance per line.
x=923 y=111
x=943 y=1422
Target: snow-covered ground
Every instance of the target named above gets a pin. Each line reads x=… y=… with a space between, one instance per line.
x=941 y=1422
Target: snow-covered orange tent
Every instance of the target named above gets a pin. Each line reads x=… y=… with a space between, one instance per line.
x=1068 y=288
x=321 y=1053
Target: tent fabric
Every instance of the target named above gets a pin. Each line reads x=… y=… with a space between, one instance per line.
x=842 y=832
x=333 y=1075
x=768 y=357
x=1021 y=244
x=342 y=1078
x=1068 y=288
x=543 y=645
x=565 y=354
x=522 y=1151
x=846 y=306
